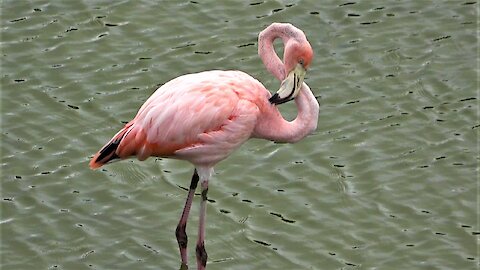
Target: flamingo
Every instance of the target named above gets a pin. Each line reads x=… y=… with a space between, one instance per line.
x=203 y=117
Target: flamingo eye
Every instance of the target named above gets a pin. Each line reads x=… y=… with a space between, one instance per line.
x=301 y=62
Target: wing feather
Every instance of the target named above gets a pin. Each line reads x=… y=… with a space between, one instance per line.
x=178 y=112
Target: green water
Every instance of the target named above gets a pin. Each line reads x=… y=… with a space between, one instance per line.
x=388 y=181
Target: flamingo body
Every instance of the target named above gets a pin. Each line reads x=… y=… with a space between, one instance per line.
x=199 y=117
x=203 y=117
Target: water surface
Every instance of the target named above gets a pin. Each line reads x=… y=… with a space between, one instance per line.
x=388 y=181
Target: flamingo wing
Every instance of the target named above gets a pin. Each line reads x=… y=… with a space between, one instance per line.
x=217 y=144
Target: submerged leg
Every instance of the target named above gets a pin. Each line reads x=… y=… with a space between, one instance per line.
x=182 y=224
x=200 y=250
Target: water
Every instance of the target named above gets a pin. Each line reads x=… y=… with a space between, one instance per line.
x=388 y=181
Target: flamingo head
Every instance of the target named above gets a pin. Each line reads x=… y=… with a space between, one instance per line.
x=297 y=59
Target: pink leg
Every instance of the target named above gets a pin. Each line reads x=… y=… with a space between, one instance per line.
x=200 y=250
x=182 y=224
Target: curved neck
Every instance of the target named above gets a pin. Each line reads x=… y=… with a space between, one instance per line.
x=271 y=125
x=265 y=46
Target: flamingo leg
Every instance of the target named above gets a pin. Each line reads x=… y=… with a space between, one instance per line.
x=200 y=250
x=182 y=224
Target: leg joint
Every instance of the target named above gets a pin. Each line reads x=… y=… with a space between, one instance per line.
x=204 y=194
x=201 y=254
x=181 y=235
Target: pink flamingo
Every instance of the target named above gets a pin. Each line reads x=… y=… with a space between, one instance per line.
x=202 y=118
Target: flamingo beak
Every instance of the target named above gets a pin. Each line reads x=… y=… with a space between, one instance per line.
x=290 y=87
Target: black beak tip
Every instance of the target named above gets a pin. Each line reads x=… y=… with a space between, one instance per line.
x=275 y=99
